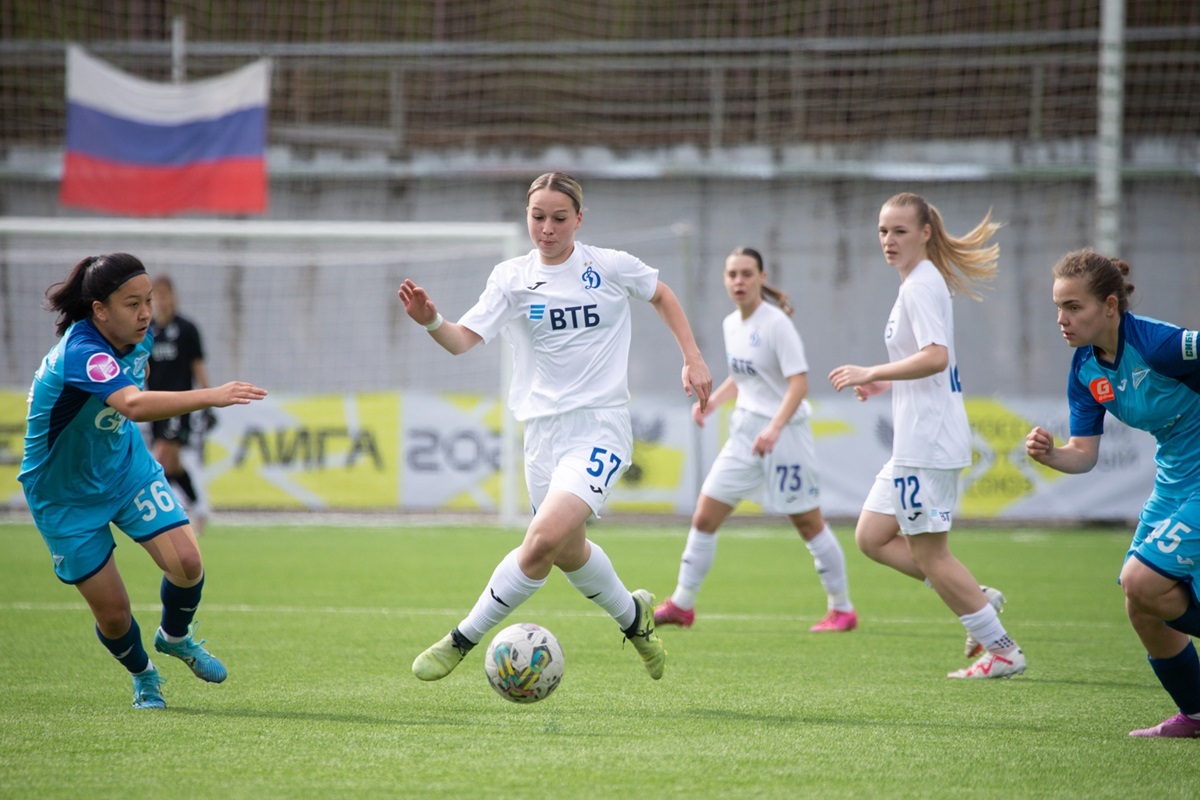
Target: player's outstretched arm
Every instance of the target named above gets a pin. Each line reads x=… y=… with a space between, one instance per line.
x=141 y=406
x=454 y=338
x=1078 y=455
x=697 y=380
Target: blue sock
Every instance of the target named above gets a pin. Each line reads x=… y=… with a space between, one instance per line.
x=127 y=649
x=179 y=606
x=1180 y=676
x=1189 y=621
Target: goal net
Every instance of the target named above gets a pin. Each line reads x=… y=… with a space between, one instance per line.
x=306 y=309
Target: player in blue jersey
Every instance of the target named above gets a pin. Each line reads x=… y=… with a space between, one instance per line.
x=1145 y=373
x=86 y=465
x=565 y=309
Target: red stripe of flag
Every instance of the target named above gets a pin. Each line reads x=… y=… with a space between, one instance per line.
x=232 y=186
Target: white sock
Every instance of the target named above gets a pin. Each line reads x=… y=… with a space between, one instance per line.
x=598 y=581
x=508 y=588
x=830 y=562
x=987 y=629
x=697 y=559
x=170 y=638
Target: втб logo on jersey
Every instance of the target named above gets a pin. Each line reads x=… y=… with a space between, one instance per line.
x=573 y=317
x=591 y=278
x=102 y=367
x=1102 y=390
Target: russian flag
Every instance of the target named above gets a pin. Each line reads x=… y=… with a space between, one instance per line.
x=154 y=149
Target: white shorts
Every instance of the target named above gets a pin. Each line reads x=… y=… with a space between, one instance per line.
x=922 y=500
x=785 y=480
x=584 y=452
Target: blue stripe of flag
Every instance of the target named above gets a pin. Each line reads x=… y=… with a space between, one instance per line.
x=241 y=134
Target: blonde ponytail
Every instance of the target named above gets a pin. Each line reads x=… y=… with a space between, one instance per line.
x=966 y=262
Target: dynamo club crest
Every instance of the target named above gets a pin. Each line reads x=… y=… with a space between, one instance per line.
x=591 y=278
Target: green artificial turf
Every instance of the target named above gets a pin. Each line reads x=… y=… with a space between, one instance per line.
x=318 y=626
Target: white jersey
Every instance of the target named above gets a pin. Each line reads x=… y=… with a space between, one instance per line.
x=928 y=414
x=569 y=326
x=763 y=351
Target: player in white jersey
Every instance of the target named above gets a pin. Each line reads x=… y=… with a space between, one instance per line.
x=564 y=308
x=770 y=455
x=906 y=518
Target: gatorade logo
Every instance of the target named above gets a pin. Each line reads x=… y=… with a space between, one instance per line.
x=1189 y=345
x=1102 y=390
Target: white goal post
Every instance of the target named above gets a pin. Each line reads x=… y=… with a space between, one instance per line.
x=37 y=250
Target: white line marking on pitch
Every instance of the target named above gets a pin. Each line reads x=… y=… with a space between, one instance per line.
x=449 y=612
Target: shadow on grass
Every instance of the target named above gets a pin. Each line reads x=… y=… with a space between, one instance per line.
x=298 y=716
x=567 y=728
x=468 y=720
x=801 y=720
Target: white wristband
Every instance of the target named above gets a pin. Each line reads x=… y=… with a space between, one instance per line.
x=437 y=323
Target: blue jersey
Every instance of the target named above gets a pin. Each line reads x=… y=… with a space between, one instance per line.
x=1154 y=386
x=78 y=450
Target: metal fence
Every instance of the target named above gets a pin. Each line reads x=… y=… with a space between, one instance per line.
x=398 y=97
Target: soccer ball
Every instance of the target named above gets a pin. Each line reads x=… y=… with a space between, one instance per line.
x=524 y=663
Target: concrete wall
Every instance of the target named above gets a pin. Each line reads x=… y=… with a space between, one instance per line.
x=315 y=321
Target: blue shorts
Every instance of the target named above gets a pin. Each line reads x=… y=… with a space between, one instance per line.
x=80 y=539
x=1167 y=539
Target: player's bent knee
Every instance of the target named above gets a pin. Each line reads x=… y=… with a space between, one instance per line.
x=867 y=545
x=113 y=620
x=192 y=570
x=184 y=569
x=1144 y=595
x=540 y=549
